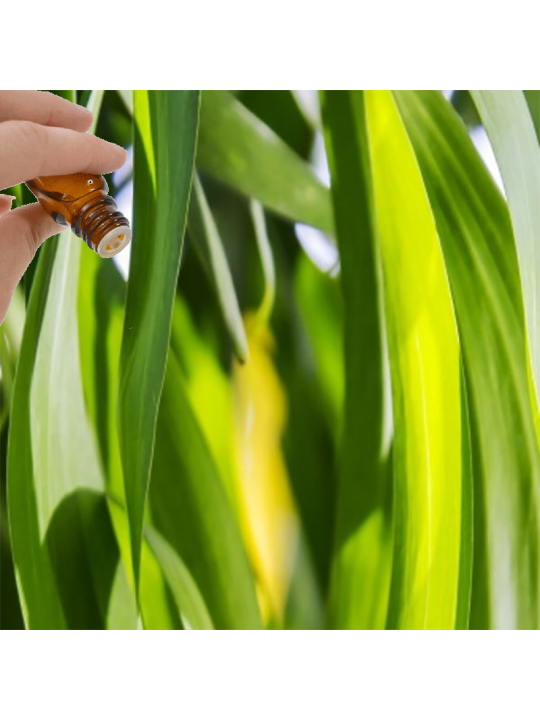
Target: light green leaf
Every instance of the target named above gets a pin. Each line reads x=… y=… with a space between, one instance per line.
x=165 y=139
x=127 y=98
x=55 y=484
x=208 y=386
x=186 y=593
x=241 y=151
x=37 y=589
x=479 y=250
x=362 y=555
x=509 y=125
x=264 y=311
x=431 y=476
x=207 y=242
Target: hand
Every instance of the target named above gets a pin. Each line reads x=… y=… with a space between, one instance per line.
x=40 y=134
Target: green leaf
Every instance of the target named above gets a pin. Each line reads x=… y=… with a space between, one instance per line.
x=533 y=101
x=191 y=510
x=127 y=98
x=238 y=149
x=155 y=610
x=431 y=470
x=320 y=304
x=508 y=123
x=309 y=340
x=282 y=112
x=208 y=386
x=264 y=311
x=55 y=484
x=476 y=235
x=186 y=593
x=360 y=576
x=11 y=332
x=102 y=293
x=165 y=140
x=37 y=590
x=207 y=242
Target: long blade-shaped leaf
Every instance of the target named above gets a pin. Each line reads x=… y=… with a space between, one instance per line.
x=37 y=589
x=430 y=480
x=165 y=139
x=361 y=556
x=207 y=241
x=186 y=593
x=476 y=236
x=55 y=482
x=508 y=123
x=241 y=151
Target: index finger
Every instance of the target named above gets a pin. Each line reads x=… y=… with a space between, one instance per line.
x=43 y=108
x=29 y=150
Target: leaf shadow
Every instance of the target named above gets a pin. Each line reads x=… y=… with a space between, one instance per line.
x=84 y=556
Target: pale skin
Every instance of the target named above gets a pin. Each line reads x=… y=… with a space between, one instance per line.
x=40 y=134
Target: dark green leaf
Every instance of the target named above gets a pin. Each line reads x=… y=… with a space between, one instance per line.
x=358 y=599
x=165 y=140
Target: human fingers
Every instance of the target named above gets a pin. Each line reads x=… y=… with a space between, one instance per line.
x=21 y=233
x=43 y=108
x=29 y=150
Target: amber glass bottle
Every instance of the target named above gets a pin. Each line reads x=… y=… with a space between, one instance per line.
x=80 y=201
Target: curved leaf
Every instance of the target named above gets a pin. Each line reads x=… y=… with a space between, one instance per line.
x=207 y=242
x=186 y=593
x=55 y=483
x=241 y=151
x=508 y=123
x=479 y=250
x=360 y=577
x=165 y=139
x=430 y=476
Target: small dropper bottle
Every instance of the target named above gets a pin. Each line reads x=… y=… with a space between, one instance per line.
x=80 y=201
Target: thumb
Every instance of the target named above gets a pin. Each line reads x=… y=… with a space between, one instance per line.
x=5 y=203
x=21 y=233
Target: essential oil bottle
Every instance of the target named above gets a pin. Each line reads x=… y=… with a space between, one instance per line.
x=80 y=201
